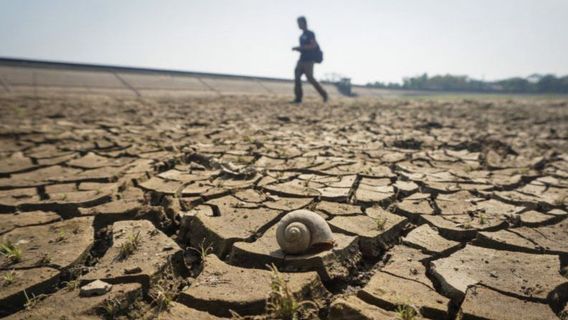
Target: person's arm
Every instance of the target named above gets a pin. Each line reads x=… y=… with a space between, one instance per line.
x=312 y=44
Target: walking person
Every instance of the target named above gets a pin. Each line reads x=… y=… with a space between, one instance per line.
x=310 y=53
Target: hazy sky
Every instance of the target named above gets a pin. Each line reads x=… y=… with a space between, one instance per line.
x=370 y=40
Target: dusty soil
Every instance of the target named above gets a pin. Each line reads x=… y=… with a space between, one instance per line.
x=454 y=209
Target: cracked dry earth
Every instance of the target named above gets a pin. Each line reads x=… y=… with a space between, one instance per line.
x=457 y=209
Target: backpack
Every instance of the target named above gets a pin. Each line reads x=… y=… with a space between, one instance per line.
x=318 y=56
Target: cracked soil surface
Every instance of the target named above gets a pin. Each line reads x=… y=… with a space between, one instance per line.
x=457 y=208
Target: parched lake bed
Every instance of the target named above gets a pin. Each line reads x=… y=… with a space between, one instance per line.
x=456 y=209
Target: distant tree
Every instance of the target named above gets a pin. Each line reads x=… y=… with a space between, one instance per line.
x=551 y=84
x=378 y=84
x=535 y=83
x=517 y=85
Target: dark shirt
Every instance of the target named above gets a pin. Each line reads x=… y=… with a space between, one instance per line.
x=305 y=39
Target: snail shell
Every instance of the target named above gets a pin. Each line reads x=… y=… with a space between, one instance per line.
x=300 y=230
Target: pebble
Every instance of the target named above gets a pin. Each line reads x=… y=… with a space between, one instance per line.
x=132 y=270
x=95 y=288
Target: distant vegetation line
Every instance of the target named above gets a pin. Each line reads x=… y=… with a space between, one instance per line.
x=533 y=84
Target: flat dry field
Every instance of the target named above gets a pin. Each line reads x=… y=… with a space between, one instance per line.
x=452 y=209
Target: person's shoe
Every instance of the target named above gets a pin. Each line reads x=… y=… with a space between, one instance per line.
x=296 y=101
x=325 y=98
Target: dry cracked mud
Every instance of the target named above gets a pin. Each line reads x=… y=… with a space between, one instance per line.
x=451 y=209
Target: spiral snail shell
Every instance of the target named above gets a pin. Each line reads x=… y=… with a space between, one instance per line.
x=300 y=230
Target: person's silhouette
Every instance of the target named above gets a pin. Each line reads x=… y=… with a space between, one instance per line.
x=308 y=49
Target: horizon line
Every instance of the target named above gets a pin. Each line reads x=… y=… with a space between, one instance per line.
x=99 y=66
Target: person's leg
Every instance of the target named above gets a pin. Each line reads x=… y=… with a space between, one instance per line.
x=298 y=81
x=309 y=71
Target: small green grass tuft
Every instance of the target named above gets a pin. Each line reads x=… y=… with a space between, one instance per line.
x=282 y=304
x=482 y=220
x=524 y=170
x=406 y=312
x=468 y=168
x=129 y=246
x=380 y=223
x=162 y=297
x=44 y=260
x=241 y=160
x=11 y=251
x=72 y=285
x=111 y=308
x=203 y=250
x=33 y=300
x=60 y=236
x=8 y=278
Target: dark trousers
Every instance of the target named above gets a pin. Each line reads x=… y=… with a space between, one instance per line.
x=307 y=68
